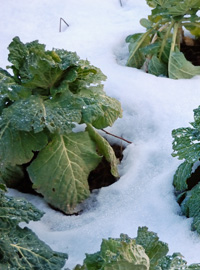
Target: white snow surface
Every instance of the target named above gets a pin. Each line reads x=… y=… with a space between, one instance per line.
x=152 y=108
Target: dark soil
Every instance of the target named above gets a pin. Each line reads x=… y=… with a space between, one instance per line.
x=101 y=176
x=191 y=50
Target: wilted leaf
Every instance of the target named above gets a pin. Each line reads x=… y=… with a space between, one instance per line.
x=105 y=149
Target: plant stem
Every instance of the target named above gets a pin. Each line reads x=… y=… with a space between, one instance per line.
x=165 y=39
x=142 y=39
x=174 y=37
x=116 y=136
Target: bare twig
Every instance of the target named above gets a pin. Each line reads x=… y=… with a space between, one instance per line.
x=120 y=1
x=116 y=136
x=61 y=19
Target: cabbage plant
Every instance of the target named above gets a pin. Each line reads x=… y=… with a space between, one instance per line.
x=186 y=146
x=20 y=248
x=48 y=94
x=145 y=252
x=158 y=49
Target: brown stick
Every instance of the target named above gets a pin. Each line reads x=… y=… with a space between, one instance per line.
x=61 y=19
x=116 y=136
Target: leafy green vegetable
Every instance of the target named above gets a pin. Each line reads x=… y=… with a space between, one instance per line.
x=158 y=49
x=50 y=93
x=104 y=149
x=21 y=248
x=63 y=168
x=186 y=146
x=145 y=252
x=154 y=248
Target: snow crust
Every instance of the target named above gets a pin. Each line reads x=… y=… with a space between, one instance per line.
x=152 y=108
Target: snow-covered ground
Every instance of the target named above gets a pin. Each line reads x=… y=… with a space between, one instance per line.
x=152 y=107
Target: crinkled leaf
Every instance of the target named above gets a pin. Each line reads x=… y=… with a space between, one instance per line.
x=136 y=42
x=125 y=253
x=175 y=261
x=181 y=175
x=186 y=144
x=26 y=114
x=57 y=114
x=154 y=248
x=60 y=171
x=16 y=147
x=34 y=67
x=62 y=112
x=86 y=75
x=9 y=88
x=104 y=149
x=118 y=254
x=180 y=68
x=156 y=67
x=11 y=175
x=39 y=69
x=191 y=206
x=16 y=210
x=21 y=249
x=99 y=109
x=179 y=8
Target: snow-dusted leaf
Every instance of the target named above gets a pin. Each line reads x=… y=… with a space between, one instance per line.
x=21 y=249
x=191 y=206
x=99 y=109
x=118 y=254
x=186 y=144
x=26 y=114
x=180 y=68
x=105 y=149
x=9 y=88
x=60 y=171
x=180 y=8
x=154 y=248
x=181 y=175
x=16 y=210
x=175 y=261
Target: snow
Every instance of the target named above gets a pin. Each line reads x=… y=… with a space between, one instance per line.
x=152 y=108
